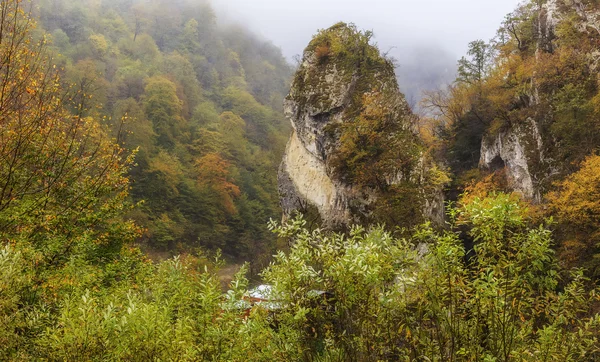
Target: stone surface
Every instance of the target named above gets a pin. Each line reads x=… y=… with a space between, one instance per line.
x=516 y=148
x=303 y=179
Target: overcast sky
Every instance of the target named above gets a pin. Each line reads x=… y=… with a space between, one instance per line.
x=426 y=37
x=404 y=24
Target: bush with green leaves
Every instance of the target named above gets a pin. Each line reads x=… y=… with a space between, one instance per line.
x=361 y=296
x=427 y=298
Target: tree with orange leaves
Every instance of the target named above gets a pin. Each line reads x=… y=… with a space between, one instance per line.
x=214 y=174
x=576 y=206
x=63 y=181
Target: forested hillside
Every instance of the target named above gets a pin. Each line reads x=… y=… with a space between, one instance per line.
x=523 y=115
x=199 y=102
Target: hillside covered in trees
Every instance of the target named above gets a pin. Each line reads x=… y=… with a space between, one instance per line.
x=199 y=103
x=129 y=127
x=523 y=115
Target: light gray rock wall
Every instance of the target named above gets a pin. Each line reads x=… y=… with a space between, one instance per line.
x=517 y=149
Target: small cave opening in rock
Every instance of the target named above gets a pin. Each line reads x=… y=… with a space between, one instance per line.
x=496 y=164
x=322 y=117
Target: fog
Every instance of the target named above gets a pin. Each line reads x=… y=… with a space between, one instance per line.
x=426 y=37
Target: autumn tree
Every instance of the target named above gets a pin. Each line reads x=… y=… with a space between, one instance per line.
x=519 y=27
x=63 y=181
x=257 y=116
x=88 y=88
x=233 y=130
x=190 y=39
x=576 y=206
x=214 y=174
x=129 y=81
x=188 y=87
x=139 y=19
x=56 y=167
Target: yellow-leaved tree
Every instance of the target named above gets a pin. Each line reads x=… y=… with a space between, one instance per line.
x=63 y=183
x=576 y=205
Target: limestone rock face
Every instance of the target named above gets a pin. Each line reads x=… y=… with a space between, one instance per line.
x=304 y=182
x=348 y=115
x=547 y=21
x=519 y=149
x=553 y=12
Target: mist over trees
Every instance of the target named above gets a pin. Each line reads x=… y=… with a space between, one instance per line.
x=201 y=104
x=426 y=68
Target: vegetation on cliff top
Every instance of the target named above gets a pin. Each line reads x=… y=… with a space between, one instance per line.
x=532 y=74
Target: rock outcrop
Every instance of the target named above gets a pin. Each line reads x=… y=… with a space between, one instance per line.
x=353 y=142
x=532 y=150
x=518 y=149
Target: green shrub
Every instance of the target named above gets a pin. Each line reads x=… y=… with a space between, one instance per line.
x=430 y=299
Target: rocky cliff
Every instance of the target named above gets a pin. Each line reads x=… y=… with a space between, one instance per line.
x=353 y=156
x=555 y=128
x=518 y=149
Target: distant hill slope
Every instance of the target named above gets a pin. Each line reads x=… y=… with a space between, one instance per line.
x=201 y=102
